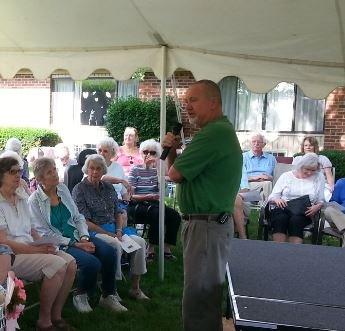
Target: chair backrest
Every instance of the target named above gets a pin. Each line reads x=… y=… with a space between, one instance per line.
x=284 y=159
x=279 y=169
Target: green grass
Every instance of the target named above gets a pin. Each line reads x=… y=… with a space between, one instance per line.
x=162 y=312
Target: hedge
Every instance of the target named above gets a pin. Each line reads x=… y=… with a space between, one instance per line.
x=30 y=137
x=338 y=161
x=140 y=114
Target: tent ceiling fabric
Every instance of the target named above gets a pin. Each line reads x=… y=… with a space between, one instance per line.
x=261 y=41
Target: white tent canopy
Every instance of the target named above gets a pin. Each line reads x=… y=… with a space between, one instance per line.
x=263 y=42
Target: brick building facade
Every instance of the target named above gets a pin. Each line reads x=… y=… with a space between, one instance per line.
x=334 y=118
x=150 y=88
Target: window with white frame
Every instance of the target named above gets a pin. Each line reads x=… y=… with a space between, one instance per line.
x=86 y=102
x=283 y=109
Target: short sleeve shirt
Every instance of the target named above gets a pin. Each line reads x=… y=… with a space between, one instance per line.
x=256 y=165
x=15 y=220
x=211 y=169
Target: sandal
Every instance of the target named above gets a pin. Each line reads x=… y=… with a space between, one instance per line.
x=62 y=325
x=170 y=256
x=150 y=257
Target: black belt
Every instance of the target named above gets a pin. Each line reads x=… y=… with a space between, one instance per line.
x=200 y=217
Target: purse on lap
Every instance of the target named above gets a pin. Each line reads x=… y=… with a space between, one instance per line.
x=299 y=205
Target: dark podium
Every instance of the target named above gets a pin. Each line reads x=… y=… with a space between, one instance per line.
x=286 y=286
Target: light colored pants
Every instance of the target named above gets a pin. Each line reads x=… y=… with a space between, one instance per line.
x=206 y=250
x=266 y=188
x=34 y=267
x=335 y=216
x=137 y=260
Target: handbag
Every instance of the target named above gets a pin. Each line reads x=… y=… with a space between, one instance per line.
x=299 y=205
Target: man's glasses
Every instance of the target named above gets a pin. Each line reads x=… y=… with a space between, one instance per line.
x=14 y=172
x=153 y=153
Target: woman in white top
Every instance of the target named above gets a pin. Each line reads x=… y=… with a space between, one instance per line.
x=311 y=145
x=305 y=179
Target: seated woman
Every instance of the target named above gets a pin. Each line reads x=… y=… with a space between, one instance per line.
x=311 y=145
x=144 y=205
x=23 y=184
x=306 y=179
x=108 y=149
x=128 y=155
x=97 y=201
x=57 y=269
x=54 y=213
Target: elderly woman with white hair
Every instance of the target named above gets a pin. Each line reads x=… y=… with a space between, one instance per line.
x=97 y=201
x=305 y=180
x=144 y=206
x=54 y=214
x=15 y=145
x=108 y=148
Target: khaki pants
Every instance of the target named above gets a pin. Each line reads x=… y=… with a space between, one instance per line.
x=336 y=217
x=137 y=260
x=266 y=188
x=34 y=267
x=206 y=250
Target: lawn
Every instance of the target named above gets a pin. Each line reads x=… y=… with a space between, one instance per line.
x=162 y=312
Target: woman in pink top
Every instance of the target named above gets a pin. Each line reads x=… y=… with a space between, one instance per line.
x=128 y=155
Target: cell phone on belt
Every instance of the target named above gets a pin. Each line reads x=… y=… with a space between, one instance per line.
x=223 y=218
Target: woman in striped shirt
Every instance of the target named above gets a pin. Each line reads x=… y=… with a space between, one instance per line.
x=144 y=207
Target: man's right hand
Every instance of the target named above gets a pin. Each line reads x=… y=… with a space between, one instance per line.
x=86 y=246
x=171 y=141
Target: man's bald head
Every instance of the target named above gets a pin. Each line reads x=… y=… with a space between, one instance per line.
x=212 y=89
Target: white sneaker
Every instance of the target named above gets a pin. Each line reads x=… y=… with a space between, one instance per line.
x=117 y=296
x=81 y=303
x=138 y=295
x=112 y=303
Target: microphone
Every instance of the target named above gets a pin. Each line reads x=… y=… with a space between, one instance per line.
x=176 y=130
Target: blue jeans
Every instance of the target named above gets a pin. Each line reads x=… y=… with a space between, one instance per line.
x=103 y=259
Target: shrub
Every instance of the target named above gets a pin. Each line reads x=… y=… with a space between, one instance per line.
x=30 y=137
x=140 y=114
x=338 y=161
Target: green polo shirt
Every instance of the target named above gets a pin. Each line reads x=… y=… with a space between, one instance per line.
x=211 y=167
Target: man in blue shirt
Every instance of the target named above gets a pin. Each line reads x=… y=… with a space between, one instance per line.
x=334 y=213
x=258 y=167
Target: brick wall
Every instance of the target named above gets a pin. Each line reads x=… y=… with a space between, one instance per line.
x=150 y=88
x=334 y=118
x=24 y=81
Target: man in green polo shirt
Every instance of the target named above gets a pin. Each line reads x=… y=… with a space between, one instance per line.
x=209 y=173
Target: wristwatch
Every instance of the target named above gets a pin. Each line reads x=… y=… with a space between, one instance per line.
x=87 y=238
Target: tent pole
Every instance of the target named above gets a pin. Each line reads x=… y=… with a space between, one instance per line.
x=162 y=166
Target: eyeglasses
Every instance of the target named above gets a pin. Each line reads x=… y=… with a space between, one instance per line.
x=14 y=172
x=153 y=153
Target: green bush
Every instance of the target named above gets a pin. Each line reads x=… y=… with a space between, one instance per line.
x=30 y=137
x=337 y=159
x=142 y=115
